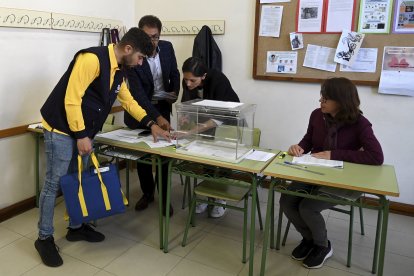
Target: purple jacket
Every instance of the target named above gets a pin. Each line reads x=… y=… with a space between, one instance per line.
x=350 y=139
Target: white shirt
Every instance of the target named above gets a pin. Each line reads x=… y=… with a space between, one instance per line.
x=155 y=66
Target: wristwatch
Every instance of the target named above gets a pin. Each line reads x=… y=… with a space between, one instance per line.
x=151 y=123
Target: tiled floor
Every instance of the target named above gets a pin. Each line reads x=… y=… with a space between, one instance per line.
x=214 y=247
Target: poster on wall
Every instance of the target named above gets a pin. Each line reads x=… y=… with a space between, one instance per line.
x=296 y=41
x=281 y=62
x=397 y=71
x=403 y=17
x=375 y=16
x=309 y=16
x=340 y=15
x=348 y=47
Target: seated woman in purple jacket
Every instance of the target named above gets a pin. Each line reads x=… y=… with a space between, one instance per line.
x=338 y=131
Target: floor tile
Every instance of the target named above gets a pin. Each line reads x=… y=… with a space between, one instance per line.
x=70 y=267
x=220 y=253
x=133 y=225
x=143 y=260
x=190 y=268
x=398 y=265
x=97 y=254
x=231 y=226
x=23 y=224
x=18 y=257
x=103 y=273
x=276 y=264
x=7 y=236
x=214 y=246
x=176 y=233
x=329 y=271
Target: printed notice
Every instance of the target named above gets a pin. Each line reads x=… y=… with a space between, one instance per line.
x=397 y=71
x=282 y=62
x=339 y=15
x=365 y=62
x=320 y=57
x=270 y=21
x=310 y=15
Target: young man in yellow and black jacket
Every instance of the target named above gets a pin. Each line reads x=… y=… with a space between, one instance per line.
x=74 y=113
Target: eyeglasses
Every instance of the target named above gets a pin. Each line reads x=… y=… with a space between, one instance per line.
x=155 y=37
x=323 y=99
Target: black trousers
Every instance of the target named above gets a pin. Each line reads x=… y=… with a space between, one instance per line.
x=145 y=171
x=147 y=181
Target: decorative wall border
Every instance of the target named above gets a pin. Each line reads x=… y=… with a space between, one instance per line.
x=191 y=27
x=19 y=18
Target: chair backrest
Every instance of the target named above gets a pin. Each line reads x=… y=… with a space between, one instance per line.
x=230 y=132
x=256 y=136
x=110 y=120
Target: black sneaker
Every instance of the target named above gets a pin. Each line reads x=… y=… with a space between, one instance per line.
x=143 y=203
x=318 y=256
x=302 y=250
x=84 y=233
x=49 y=252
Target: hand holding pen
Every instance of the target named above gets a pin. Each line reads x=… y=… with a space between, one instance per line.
x=295 y=150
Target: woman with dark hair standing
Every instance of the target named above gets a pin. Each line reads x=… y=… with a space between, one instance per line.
x=338 y=131
x=209 y=84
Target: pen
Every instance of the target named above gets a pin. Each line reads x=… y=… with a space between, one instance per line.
x=293 y=164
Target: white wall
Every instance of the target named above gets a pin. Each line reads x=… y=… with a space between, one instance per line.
x=284 y=107
x=32 y=61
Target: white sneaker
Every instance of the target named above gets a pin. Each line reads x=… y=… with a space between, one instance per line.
x=218 y=211
x=201 y=208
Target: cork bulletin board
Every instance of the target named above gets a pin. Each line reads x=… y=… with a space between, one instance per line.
x=305 y=74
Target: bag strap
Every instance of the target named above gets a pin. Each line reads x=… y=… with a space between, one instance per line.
x=103 y=187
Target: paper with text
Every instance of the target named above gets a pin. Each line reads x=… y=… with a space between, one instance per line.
x=221 y=104
x=366 y=61
x=320 y=57
x=307 y=159
x=339 y=15
x=258 y=155
x=270 y=21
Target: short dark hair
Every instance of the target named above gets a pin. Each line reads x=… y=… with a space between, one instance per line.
x=138 y=40
x=150 y=21
x=345 y=93
x=195 y=66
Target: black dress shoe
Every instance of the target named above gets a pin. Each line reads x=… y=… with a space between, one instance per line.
x=143 y=203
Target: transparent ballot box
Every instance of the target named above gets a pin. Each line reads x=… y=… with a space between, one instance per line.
x=215 y=129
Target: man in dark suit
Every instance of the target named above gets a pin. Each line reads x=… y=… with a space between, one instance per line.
x=155 y=84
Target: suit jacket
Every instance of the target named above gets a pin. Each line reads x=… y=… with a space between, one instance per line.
x=205 y=48
x=141 y=83
x=216 y=86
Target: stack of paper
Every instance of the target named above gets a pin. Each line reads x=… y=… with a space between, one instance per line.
x=309 y=160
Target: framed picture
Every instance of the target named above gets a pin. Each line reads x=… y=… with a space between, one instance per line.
x=403 y=17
